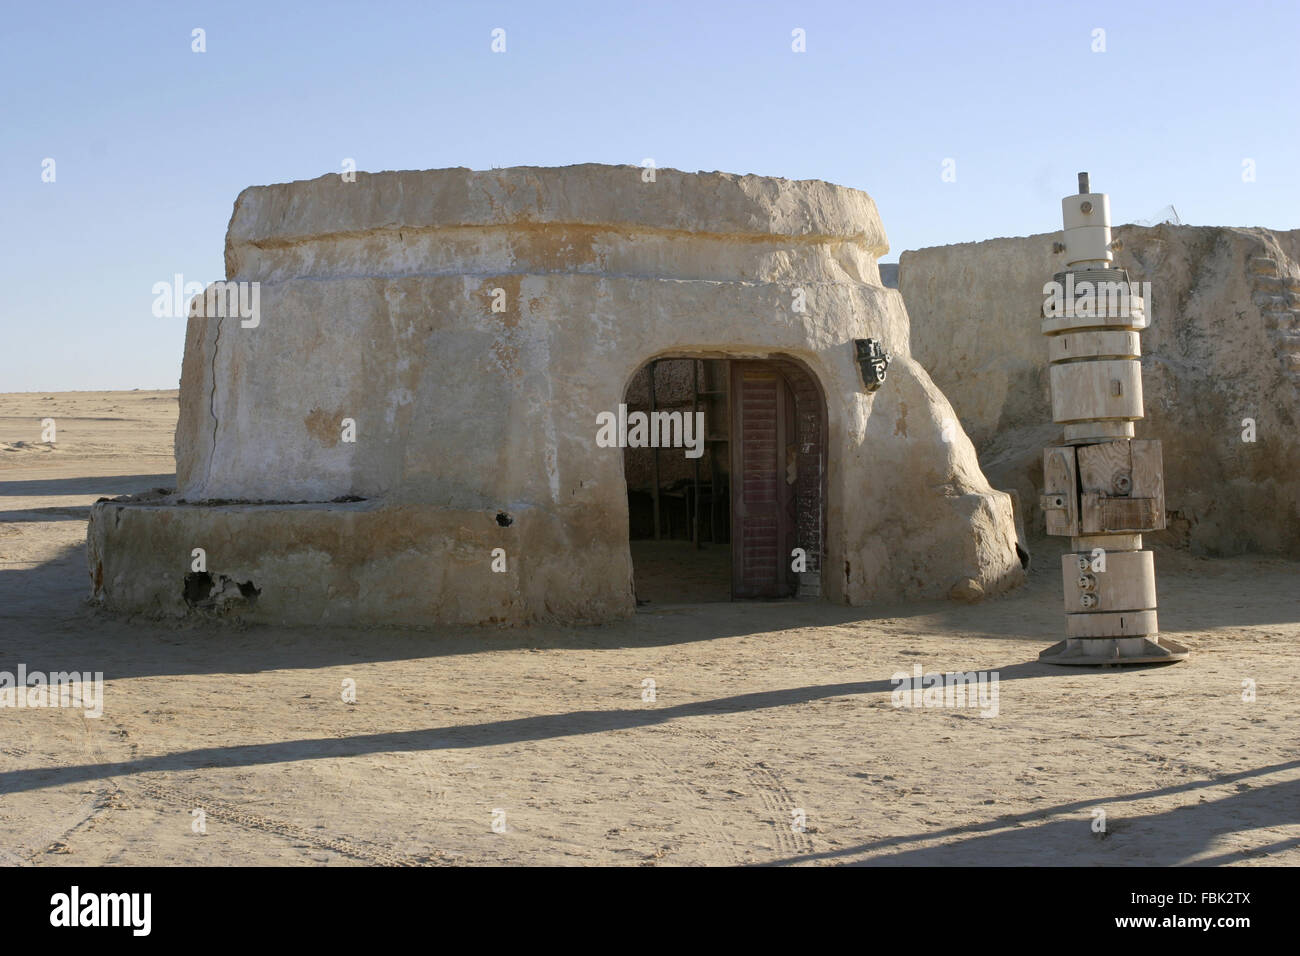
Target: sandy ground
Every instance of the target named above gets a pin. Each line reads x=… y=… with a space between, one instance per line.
x=760 y=709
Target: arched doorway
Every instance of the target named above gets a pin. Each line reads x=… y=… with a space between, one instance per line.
x=737 y=509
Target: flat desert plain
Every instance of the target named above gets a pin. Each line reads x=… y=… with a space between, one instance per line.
x=765 y=715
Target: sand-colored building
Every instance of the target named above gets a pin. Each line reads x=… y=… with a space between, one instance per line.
x=414 y=428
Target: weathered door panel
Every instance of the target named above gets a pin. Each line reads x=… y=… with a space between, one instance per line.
x=761 y=496
x=1060 y=499
x=1123 y=487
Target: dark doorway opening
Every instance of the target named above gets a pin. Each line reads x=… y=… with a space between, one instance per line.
x=678 y=506
x=743 y=517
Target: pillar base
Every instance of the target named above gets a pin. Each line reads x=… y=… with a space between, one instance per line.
x=1114 y=651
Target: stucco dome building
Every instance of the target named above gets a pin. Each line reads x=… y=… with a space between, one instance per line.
x=408 y=433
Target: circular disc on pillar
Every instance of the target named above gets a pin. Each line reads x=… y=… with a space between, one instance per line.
x=1114 y=652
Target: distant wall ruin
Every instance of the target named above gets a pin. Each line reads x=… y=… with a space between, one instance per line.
x=1223 y=346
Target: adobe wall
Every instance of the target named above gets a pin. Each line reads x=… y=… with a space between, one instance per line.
x=1223 y=345
x=476 y=429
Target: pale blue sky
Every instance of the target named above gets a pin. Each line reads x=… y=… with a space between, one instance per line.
x=153 y=142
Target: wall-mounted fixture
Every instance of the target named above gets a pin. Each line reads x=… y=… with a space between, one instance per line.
x=874 y=361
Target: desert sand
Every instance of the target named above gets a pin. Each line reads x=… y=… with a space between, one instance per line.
x=759 y=710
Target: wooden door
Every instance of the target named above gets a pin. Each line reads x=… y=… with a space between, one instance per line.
x=762 y=502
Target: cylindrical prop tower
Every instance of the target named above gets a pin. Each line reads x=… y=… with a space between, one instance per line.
x=1102 y=488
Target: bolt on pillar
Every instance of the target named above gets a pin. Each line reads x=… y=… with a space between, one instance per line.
x=1102 y=487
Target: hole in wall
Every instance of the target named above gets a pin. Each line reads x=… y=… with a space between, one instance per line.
x=198 y=587
x=203 y=591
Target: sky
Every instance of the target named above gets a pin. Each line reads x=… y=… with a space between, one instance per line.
x=1190 y=104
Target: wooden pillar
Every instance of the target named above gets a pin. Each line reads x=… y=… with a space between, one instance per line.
x=1102 y=488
